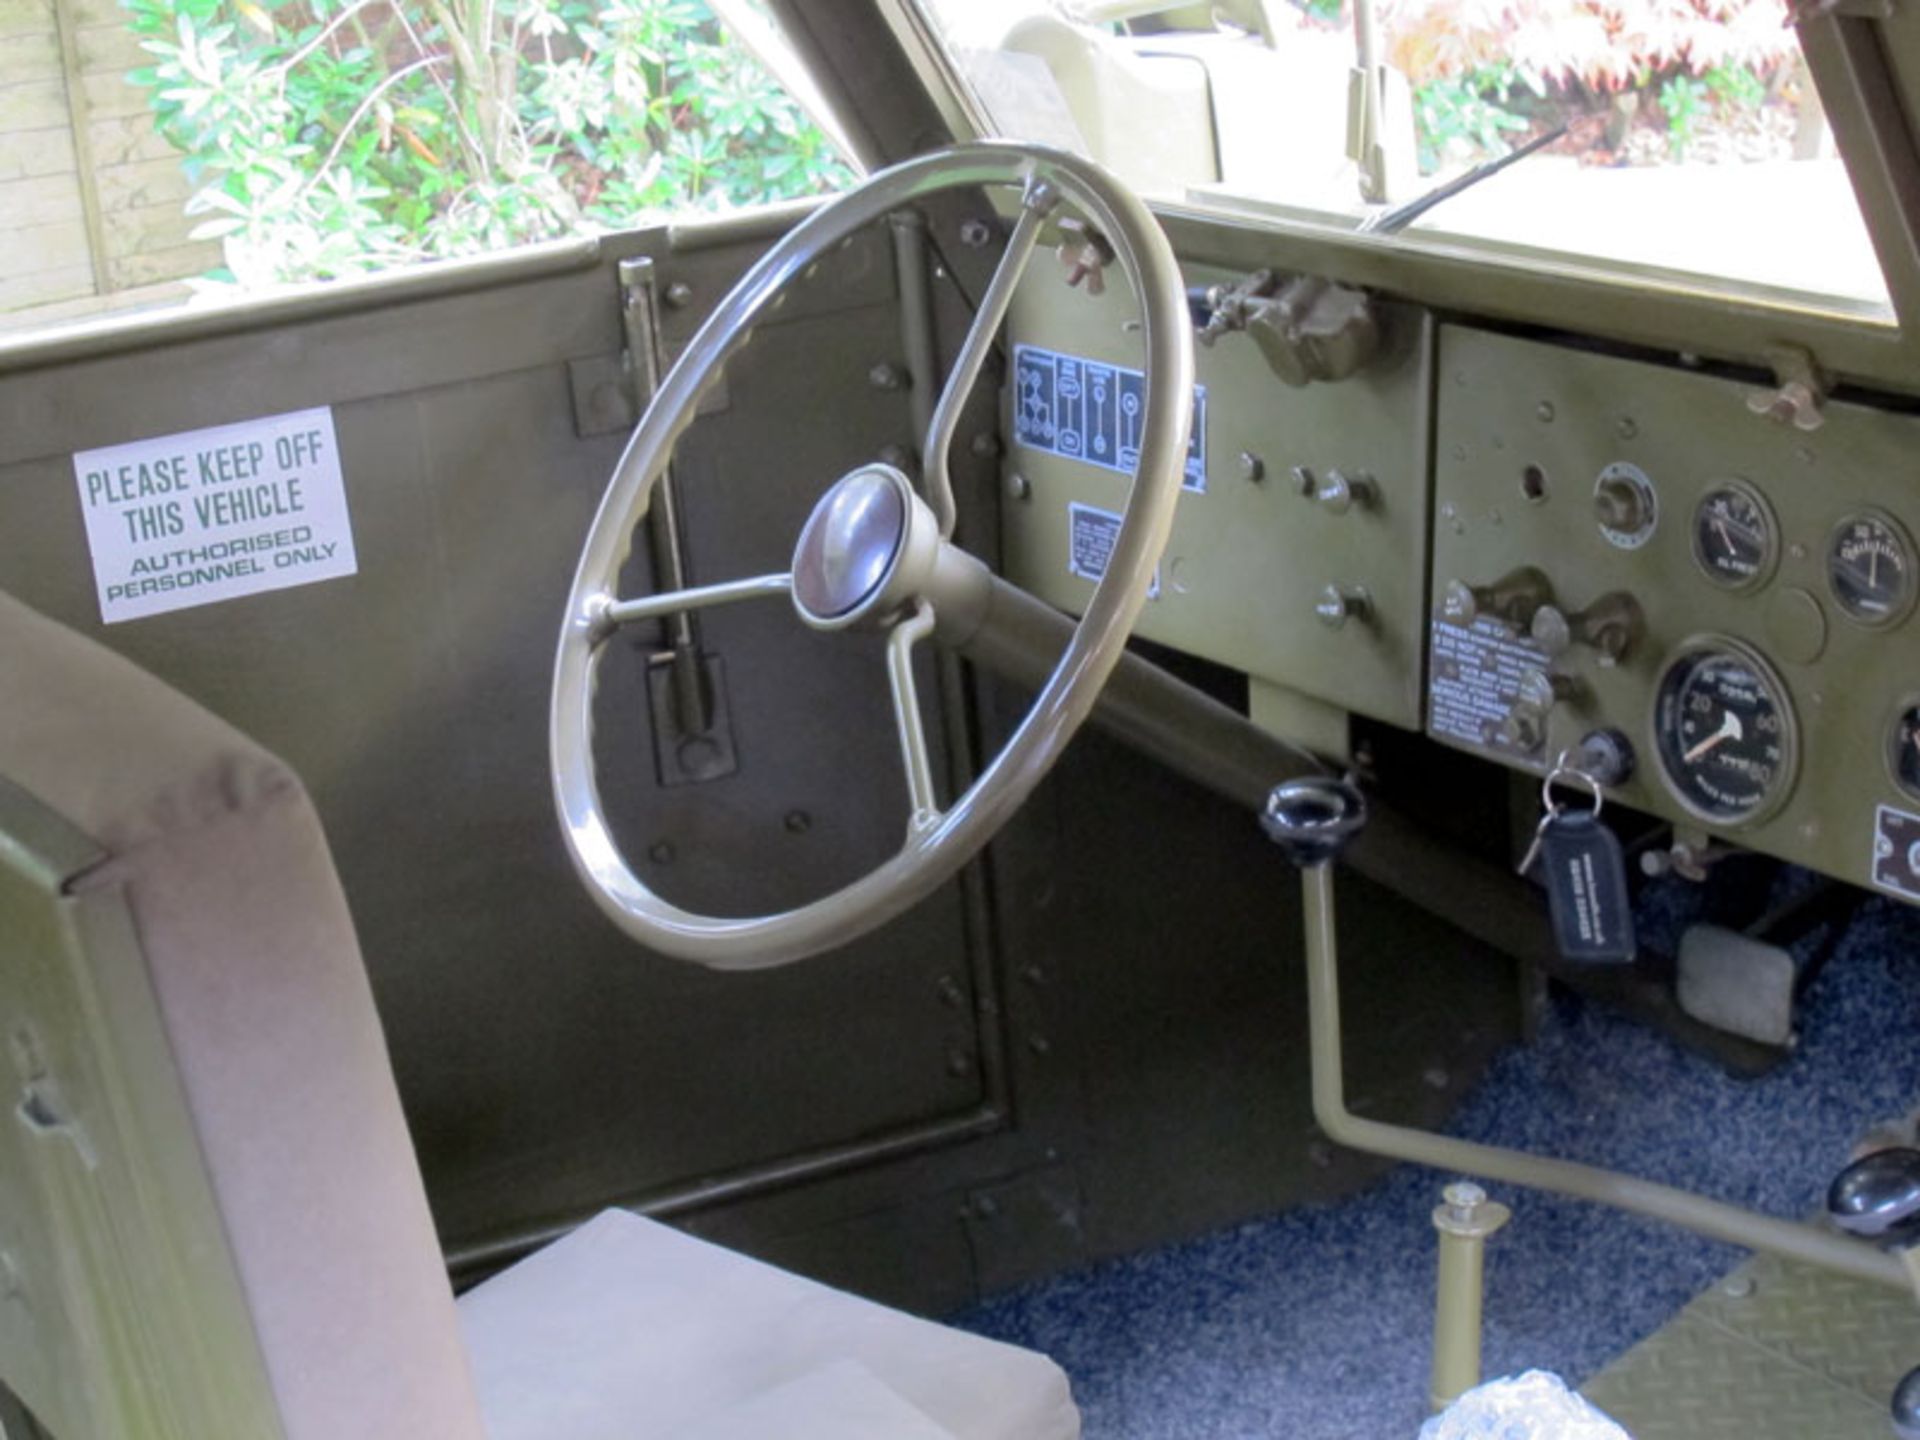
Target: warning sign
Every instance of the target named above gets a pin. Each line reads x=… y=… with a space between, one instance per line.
x=208 y=515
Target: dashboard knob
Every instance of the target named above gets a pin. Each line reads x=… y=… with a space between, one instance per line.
x=1338 y=604
x=1513 y=599
x=1877 y=1197
x=1339 y=493
x=1620 y=505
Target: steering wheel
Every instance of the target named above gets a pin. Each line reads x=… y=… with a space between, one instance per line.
x=874 y=554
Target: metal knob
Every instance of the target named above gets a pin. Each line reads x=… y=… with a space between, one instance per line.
x=1618 y=505
x=1513 y=599
x=1906 y=1407
x=1338 y=604
x=1314 y=819
x=1339 y=493
x=1877 y=1197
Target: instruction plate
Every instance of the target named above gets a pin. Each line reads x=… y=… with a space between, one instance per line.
x=1086 y=410
x=1091 y=534
x=1477 y=672
x=207 y=515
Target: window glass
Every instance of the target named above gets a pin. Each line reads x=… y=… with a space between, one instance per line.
x=1694 y=142
x=157 y=150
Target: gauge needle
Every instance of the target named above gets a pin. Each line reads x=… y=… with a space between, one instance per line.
x=1725 y=538
x=1729 y=730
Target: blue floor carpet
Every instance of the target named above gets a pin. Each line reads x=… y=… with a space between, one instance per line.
x=1315 y=1324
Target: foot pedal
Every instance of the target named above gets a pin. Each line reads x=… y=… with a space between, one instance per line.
x=1736 y=983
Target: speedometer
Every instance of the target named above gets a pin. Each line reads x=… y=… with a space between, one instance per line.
x=1725 y=732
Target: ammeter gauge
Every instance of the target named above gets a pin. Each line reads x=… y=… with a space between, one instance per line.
x=1724 y=732
x=1903 y=749
x=1735 y=542
x=1870 y=568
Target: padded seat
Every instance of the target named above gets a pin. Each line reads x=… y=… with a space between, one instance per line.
x=186 y=1004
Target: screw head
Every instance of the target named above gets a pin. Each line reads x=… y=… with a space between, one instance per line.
x=975 y=234
x=679 y=295
x=661 y=852
x=798 y=822
x=886 y=376
x=1252 y=468
x=1019 y=486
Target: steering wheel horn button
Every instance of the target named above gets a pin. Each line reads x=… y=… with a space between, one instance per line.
x=851 y=545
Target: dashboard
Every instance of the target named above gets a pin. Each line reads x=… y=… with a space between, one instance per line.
x=1528 y=549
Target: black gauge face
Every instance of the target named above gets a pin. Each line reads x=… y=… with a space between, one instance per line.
x=1903 y=749
x=1725 y=734
x=1734 y=541
x=1870 y=567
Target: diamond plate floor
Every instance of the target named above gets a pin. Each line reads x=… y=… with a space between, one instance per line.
x=1773 y=1352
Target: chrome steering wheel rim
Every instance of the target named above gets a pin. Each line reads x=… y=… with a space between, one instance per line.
x=938 y=842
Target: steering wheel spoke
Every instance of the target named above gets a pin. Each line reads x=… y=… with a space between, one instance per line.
x=1036 y=203
x=914 y=754
x=616 y=613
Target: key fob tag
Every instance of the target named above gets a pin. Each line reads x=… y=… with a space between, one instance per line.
x=1586 y=878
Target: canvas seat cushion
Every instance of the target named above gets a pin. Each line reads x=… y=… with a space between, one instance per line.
x=630 y=1330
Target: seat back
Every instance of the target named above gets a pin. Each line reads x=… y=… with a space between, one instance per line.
x=212 y=1224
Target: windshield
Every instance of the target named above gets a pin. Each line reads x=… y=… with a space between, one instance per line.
x=1695 y=142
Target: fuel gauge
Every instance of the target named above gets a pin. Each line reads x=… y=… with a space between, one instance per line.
x=1735 y=542
x=1870 y=568
x=1903 y=749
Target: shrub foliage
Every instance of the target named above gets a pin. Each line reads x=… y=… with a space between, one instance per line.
x=334 y=137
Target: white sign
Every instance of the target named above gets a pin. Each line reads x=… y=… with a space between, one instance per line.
x=1091 y=536
x=209 y=515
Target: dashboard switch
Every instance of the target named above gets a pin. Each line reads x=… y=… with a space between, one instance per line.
x=1340 y=603
x=1513 y=599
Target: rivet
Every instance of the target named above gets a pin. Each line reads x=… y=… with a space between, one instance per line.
x=1039 y=1045
x=1625 y=427
x=986 y=1207
x=1796 y=551
x=951 y=995
x=1544 y=412
x=679 y=295
x=886 y=376
x=1034 y=975
x=959 y=1063
x=986 y=445
x=1737 y=1287
x=1436 y=1078
x=661 y=852
x=1019 y=486
x=1252 y=468
x=798 y=822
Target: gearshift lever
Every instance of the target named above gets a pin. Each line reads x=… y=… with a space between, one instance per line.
x=1314 y=818
x=1877 y=1197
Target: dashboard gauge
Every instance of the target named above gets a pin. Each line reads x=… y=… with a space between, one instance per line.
x=1870 y=568
x=1735 y=542
x=1724 y=732
x=1903 y=749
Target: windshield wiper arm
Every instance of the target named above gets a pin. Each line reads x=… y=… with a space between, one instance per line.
x=1391 y=222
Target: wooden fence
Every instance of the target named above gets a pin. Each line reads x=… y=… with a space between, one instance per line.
x=91 y=197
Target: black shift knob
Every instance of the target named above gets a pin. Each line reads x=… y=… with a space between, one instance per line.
x=1314 y=819
x=1906 y=1407
x=1877 y=1197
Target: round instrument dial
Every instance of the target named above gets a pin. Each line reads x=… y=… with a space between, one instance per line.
x=1870 y=568
x=1903 y=749
x=1735 y=542
x=1724 y=732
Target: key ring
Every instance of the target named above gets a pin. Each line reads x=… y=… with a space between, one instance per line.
x=1565 y=772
